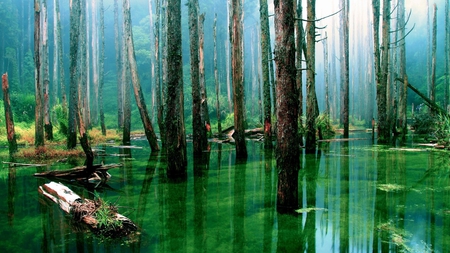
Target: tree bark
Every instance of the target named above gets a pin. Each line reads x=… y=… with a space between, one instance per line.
x=95 y=62
x=311 y=104
x=206 y=122
x=199 y=132
x=175 y=129
x=73 y=97
x=345 y=63
x=148 y=127
x=288 y=150
x=102 y=68
x=216 y=78
x=237 y=66
x=9 y=120
x=118 y=66
x=158 y=89
x=299 y=40
x=265 y=41
x=39 y=117
x=48 y=128
x=403 y=91
x=432 y=90
x=126 y=85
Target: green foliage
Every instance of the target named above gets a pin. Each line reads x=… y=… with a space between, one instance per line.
x=442 y=129
x=62 y=118
x=23 y=107
x=105 y=215
x=324 y=125
x=424 y=123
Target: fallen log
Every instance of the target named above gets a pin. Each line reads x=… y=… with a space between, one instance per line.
x=79 y=173
x=101 y=217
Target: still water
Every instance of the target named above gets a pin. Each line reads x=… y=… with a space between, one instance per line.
x=355 y=197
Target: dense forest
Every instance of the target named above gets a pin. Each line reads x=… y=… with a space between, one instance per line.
x=220 y=64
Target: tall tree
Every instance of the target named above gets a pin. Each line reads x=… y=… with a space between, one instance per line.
x=288 y=149
x=216 y=78
x=139 y=96
x=403 y=91
x=58 y=55
x=73 y=93
x=95 y=61
x=84 y=67
x=432 y=89
x=126 y=85
x=206 y=123
x=175 y=129
x=118 y=65
x=199 y=132
x=39 y=127
x=265 y=41
x=237 y=42
x=299 y=41
x=102 y=68
x=9 y=119
x=345 y=63
x=311 y=99
x=48 y=128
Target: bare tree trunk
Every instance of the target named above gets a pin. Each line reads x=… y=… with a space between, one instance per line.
x=158 y=90
x=265 y=41
x=102 y=68
x=299 y=40
x=199 y=132
x=216 y=79
x=237 y=66
x=432 y=90
x=126 y=85
x=48 y=128
x=9 y=120
x=403 y=91
x=311 y=105
x=206 y=122
x=73 y=97
x=118 y=66
x=326 y=75
x=345 y=63
x=83 y=88
x=148 y=127
x=175 y=129
x=288 y=149
x=39 y=128
x=95 y=62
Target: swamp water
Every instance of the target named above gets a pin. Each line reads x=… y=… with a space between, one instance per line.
x=355 y=197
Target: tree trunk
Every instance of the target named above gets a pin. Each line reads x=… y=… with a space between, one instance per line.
x=102 y=68
x=311 y=104
x=403 y=91
x=148 y=127
x=118 y=66
x=39 y=128
x=288 y=150
x=158 y=90
x=432 y=90
x=83 y=88
x=126 y=85
x=447 y=55
x=175 y=129
x=237 y=66
x=60 y=55
x=48 y=128
x=216 y=78
x=95 y=62
x=9 y=120
x=206 y=122
x=73 y=98
x=265 y=41
x=299 y=40
x=326 y=76
x=199 y=132
x=345 y=62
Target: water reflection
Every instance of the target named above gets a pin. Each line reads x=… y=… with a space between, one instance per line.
x=354 y=198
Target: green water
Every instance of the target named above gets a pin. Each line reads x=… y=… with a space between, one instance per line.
x=355 y=197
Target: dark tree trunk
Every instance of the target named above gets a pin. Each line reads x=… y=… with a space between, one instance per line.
x=199 y=133
x=175 y=129
x=311 y=99
x=9 y=120
x=158 y=90
x=102 y=68
x=126 y=85
x=237 y=66
x=73 y=97
x=345 y=70
x=148 y=127
x=265 y=41
x=299 y=41
x=39 y=128
x=118 y=66
x=288 y=149
x=48 y=127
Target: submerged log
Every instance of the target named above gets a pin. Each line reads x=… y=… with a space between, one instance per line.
x=87 y=211
x=100 y=173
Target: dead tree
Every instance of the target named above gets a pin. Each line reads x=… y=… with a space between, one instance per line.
x=9 y=120
x=39 y=117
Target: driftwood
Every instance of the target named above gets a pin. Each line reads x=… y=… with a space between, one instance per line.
x=85 y=211
x=12 y=164
x=79 y=173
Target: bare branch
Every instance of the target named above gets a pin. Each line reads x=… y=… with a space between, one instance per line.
x=317 y=20
x=393 y=43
